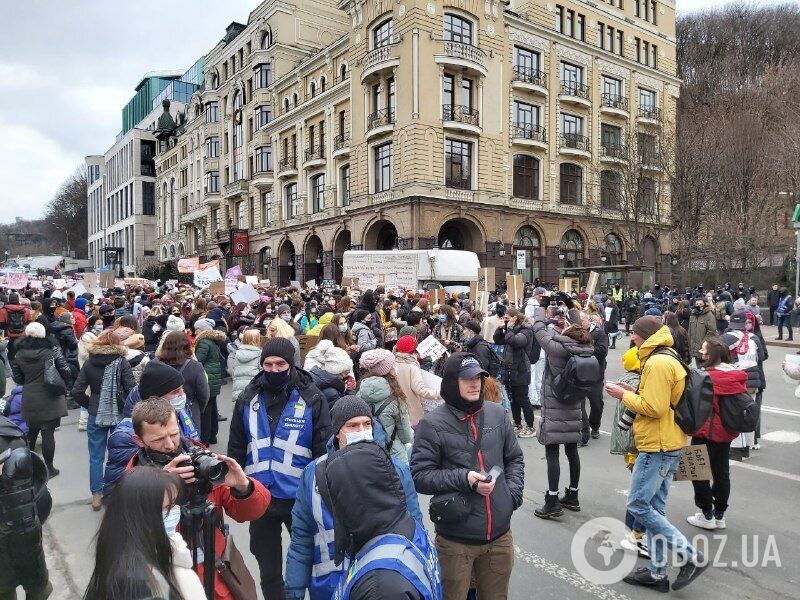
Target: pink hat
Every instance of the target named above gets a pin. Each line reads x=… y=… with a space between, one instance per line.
x=124 y=333
x=378 y=362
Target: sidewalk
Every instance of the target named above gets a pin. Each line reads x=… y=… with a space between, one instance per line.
x=770 y=332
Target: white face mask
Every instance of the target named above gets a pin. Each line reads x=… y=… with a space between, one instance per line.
x=178 y=402
x=171 y=519
x=358 y=436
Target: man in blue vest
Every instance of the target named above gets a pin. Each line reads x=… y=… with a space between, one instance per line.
x=309 y=562
x=280 y=424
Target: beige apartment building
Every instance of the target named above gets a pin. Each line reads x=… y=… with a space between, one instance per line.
x=536 y=134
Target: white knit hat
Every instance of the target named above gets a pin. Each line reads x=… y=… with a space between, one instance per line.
x=35 y=330
x=202 y=324
x=335 y=361
x=175 y=324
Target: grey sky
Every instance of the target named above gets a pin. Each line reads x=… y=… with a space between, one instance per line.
x=68 y=67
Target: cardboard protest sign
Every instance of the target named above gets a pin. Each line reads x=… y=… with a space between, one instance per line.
x=295 y=284
x=247 y=294
x=106 y=279
x=233 y=272
x=216 y=288
x=90 y=283
x=206 y=277
x=264 y=282
x=60 y=284
x=188 y=265
x=515 y=289
x=79 y=289
x=311 y=283
x=253 y=280
x=431 y=347
x=17 y=281
x=567 y=284
x=591 y=287
x=437 y=296
x=482 y=301
x=695 y=464
x=486 y=282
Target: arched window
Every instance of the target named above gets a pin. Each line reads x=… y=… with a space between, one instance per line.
x=526 y=176
x=457 y=29
x=382 y=34
x=342 y=72
x=571 y=184
x=172 y=251
x=527 y=252
x=294 y=99
x=164 y=253
x=266 y=40
x=572 y=249
x=612 y=249
x=313 y=89
x=285 y=105
x=322 y=81
x=181 y=250
x=610 y=189
x=214 y=81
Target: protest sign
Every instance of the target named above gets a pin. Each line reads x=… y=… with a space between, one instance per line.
x=35 y=284
x=79 y=289
x=60 y=284
x=695 y=464
x=295 y=284
x=437 y=296
x=311 y=283
x=350 y=282
x=264 y=282
x=431 y=381
x=233 y=272
x=90 y=283
x=17 y=281
x=253 y=280
x=231 y=285
x=188 y=265
x=106 y=279
x=247 y=294
x=521 y=262
x=216 y=288
x=486 y=282
x=431 y=348
x=567 y=284
x=515 y=289
x=591 y=287
x=377 y=268
x=203 y=278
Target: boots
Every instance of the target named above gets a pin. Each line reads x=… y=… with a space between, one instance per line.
x=552 y=507
x=97 y=502
x=570 y=499
x=52 y=471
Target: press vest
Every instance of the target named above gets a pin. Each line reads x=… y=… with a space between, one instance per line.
x=416 y=561
x=325 y=575
x=278 y=460
x=618 y=294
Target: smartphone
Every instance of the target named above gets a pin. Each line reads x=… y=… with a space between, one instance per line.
x=495 y=472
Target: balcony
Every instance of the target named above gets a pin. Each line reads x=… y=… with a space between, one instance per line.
x=463 y=56
x=573 y=144
x=533 y=80
x=314 y=157
x=211 y=164
x=194 y=214
x=263 y=180
x=380 y=122
x=458 y=183
x=529 y=135
x=235 y=188
x=650 y=160
x=650 y=115
x=463 y=118
x=379 y=60
x=613 y=104
x=341 y=145
x=574 y=93
x=616 y=153
x=287 y=166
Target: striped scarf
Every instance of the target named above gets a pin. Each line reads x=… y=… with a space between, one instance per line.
x=108 y=409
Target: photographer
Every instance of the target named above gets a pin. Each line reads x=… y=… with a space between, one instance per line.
x=158 y=435
x=516 y=337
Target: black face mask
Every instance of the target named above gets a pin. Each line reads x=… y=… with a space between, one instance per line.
x=697 y=310
x=161 y=459
x=277 y=379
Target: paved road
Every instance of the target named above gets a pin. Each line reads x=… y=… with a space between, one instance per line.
x=763 y=503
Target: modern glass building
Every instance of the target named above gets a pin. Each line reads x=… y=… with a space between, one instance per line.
x=182 y=89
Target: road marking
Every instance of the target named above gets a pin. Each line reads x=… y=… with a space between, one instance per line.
x=623 y=492
x=782 y=437
x=775 y=472
x=574 y=579
x=788 y=412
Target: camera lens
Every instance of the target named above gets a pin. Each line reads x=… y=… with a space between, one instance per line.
x=210 y=469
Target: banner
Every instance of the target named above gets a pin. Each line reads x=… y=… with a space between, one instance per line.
x=253 y=280
x=240 y=242
x=188 y=265
x=233 y=272
x=212 y=263
x=16 y=281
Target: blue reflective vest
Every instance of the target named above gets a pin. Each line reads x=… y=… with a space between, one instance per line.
x=415 y=560
x=325 y=575
x=278 y=461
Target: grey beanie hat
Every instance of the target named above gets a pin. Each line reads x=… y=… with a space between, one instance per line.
x=346 y=408
x=282 y=309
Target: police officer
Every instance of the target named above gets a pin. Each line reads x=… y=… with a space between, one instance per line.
x=280 y=423
x=24 y=505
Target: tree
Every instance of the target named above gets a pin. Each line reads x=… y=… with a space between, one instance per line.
x=66 y=215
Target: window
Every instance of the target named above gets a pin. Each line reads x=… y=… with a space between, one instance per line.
x=263 y=76
x=653 y=11
x=263 y=115
x=290 y=200
x=266 y=210
x=646 y=143
x=344 y=184
x=526 y=121
x=646 y=192
x=322 y=82
x=457 y=29
x=264 y=159
x=612 y=88
x=572 y=249
x=560 y=19
x=342 y=72
x=212 y=112
x=322 y=136
x=211 y=149
x=458 y=164
x=383 y=167
x=612 y=248
x=313 y=89
x=571 y=125
x=638 y=50
x=311 y=138
x=211 y=182
x=285 y=105
x=294 y=100
x=610 y=187
x=341 y=123
x=571 y=75
x=148 y=198
x=216 y=218
x=571 y=183
x=610 y=136
x=647 y=99
x=391 y=100
x=526 y=177
x=526 y=62
x=318 y=193
x=654 y=56
x=620 y=44
x=579 y=28
x=382 y=34
x=610 y=38
x=448 y=95
x=241 y=214
x=266 y=40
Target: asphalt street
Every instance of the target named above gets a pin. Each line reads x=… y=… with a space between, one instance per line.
x=758 y=557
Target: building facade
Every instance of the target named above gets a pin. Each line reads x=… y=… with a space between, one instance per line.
x=537 y=134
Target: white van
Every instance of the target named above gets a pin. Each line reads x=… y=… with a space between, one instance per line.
x=412 y=269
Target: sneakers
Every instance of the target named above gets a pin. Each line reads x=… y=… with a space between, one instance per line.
x=644 y=577
x=97 y=502
x=517 y=429
x=756 y=446
x=552 y=507
x=720 y=520
x=700 y=520
x=525 y=432
x=635 y=544
x=570 y=499
x=689 y=572
x=595 y=434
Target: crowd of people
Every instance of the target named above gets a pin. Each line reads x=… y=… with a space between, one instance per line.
x=331 y=393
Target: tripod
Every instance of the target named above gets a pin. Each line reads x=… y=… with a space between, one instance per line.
x=199 y=521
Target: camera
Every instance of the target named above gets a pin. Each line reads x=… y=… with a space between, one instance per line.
x=206 y=467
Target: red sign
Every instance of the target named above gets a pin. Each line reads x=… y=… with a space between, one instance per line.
x=240 y=242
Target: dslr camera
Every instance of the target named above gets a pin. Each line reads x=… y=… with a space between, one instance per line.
x=206 y=467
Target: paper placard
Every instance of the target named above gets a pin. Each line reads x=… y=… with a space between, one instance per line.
x=328 y=284
x=252 y=280
x=216 y=288
x=695 y=464
x=389 y=269
x=247 y=294
x=231 y=285
x=35 y=284
x=264 y=282
x=205 y=277
x=311 y=283
x=295 y=284
x=59 y=284
x=79 y=289
x=188 y=265
x=431 y=348
x=17 y=281
x=521 y=260
x=431 y=381
x=594 y=278
x=515 y=289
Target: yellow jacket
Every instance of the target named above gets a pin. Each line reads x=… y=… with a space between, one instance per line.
x=661 y=386
x=323 y=320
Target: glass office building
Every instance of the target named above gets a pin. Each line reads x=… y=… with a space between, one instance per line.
x=182 y=89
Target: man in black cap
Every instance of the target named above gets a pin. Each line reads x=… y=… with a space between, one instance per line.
x=475 y=492
x=280 y=423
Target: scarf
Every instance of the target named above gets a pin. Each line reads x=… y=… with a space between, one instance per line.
x=743 y=347
x=108 y=408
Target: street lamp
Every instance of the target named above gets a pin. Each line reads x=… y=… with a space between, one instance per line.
x=66 y=233
x=502 y=251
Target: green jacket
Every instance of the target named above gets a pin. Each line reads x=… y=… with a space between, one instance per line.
x=207 y=353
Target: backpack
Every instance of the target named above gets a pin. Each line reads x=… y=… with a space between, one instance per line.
x=696 y=404
x=495 y=362
x=580 y=373
x=721 y=310
x=16 y=322
x=535 y=351
x=739 y=412
x=379 y=411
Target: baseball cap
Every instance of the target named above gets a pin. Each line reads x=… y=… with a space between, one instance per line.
x=470 y=367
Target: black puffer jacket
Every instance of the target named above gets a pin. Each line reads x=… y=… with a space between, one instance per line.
x=481 y=349
x=329 y=384
x=446 y=450
x=517 y=344
x=90 y=377
x=65 y=336
x=39 y=404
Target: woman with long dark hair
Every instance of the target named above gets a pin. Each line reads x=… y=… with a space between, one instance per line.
x=176 y=352
x=139 y=554
x=680 y=338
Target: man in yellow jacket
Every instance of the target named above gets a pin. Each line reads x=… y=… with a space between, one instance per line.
x=659 y=441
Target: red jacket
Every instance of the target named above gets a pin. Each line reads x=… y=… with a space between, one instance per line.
x=725 y=383
x=80 y=322
x=241 y=510
x=26 y=318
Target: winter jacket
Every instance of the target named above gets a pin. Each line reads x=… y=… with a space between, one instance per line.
x=445 y=445
x=792 y=371
x=91 y=377
x=517 y=343
x=152 y=333
x=65 y=337
x=207 y=353
x=751 y=362
x=375 y=391
x=80 y=322
x=702 y=327
x=39 y=405
x=321 y=323
x=14 y=408
x=246 y=365
x=185 y=578
x=727 y=380
x=233 y=348
x=611 y=319
x=409 y=376
x=660 y=388
x=773 y=299
x=195 y=384
x=121 y=448
x=4 y=319
x=561 y=422
x=329 y=384
x=600 y=348
x=481 y=349
x=138 y=360
x=364 y=337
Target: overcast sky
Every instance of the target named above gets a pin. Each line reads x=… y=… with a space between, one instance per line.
x=68 y=68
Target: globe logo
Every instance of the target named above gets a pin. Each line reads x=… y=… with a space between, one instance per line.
x=596 y=552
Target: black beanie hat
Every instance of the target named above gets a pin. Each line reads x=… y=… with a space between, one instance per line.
x=280 y=347
x=159 y=379
x=473 y=326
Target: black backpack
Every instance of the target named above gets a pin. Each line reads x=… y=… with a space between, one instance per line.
x=739 y=412
x=495 y=362
x=16 y=321
x=696 y=404
x=580 y=373
x=535 y=351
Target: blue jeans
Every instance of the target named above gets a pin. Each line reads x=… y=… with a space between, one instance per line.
x=647 y=503
x=97 y=438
